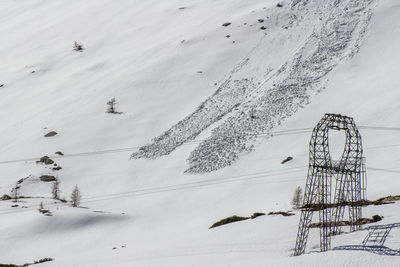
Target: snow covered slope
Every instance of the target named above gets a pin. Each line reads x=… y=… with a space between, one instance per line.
x=160 y=60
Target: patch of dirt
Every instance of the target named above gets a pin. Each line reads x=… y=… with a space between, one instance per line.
x=283 y=213
x=27 y=264
x=236 y=218
x=379 y=201
x=375 y=218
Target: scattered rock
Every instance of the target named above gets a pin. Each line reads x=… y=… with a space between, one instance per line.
x=228 y=36
x=279 y=5
x=47 y=178
x=46 y=160
x=226 y=24
x=57 y=168
x=33 y=71
x=263 y=28
x=376 y=218
x=199 y=71
x=1 y=85
x=182 y=8
x=286 y=160
x=260 y=20
x=50 y=134
x=59 y=153
x=14 y=206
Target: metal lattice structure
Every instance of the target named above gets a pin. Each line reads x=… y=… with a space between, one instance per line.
x=348 y=174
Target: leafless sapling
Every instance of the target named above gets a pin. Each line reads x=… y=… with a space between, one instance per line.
x=41 y=207
x=15 y=192
x=55 y=189
x=111 y=105
x=76 y=197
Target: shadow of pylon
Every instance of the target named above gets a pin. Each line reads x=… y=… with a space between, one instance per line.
x=375 y=240
x=381 y=250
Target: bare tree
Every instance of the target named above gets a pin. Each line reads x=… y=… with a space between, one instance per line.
x=297 y=197
x=55 y=189
x=41 y=206
x=111 y=105
x=15 y=192
x=76 y=197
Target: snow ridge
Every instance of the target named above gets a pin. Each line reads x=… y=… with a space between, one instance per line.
x=274 y=87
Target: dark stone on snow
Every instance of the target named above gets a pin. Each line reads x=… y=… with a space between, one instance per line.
x=47 y=178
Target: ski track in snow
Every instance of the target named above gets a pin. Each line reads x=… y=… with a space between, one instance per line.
x=330 y=32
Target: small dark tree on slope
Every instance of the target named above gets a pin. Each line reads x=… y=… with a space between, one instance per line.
x=76 y=197
x=297 y=197
x=41 y=206
x=111 y=105
x=15 y=193
x=55 y=189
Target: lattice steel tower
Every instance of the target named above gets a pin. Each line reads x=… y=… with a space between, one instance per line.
x=348 y=174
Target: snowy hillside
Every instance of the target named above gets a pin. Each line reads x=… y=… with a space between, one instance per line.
x=192 y=75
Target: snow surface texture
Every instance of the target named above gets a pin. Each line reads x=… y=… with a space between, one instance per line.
x=273 y=90
x=150 y=211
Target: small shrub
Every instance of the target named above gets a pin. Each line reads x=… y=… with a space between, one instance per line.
x=78 y=47
x=43 y=210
